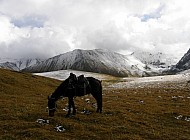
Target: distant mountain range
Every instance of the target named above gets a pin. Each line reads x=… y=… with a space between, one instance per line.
x=101 y=61
x=18 y=64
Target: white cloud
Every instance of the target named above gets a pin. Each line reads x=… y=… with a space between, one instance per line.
x=32 y=41
x=45 y=28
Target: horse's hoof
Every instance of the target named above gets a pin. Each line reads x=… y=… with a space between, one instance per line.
x=74 y=112
x=98 y=111
x=67 y=116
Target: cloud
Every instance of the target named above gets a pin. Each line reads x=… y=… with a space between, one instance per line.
x=32 y=41
x=31 y=21
x=40 y=49
x=153 y=15
x=46 y=28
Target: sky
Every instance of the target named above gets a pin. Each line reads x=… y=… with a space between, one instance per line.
x=45 y=28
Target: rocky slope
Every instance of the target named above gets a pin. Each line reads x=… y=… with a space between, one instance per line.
x=182 y=65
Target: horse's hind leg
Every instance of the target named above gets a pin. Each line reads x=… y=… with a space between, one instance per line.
x=99 y=102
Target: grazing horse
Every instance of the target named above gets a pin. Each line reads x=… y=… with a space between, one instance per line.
x=76 y=86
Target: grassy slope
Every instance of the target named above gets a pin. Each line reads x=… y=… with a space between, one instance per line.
x=24 y=99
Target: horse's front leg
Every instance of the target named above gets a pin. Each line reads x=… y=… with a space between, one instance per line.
x=69 y=111
x=71 y=104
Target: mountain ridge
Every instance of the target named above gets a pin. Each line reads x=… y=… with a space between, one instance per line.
x=100 y=61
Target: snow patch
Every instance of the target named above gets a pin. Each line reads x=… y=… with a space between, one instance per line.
x=64 y=74
x=148 y=81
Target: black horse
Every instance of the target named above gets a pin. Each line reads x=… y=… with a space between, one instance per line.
x=76 y=86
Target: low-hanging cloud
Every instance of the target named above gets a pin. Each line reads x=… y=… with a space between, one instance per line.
x=46 y=28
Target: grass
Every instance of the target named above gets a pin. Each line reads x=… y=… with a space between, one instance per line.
x=133 y=113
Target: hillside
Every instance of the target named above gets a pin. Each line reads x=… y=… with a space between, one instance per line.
x=99 y=61
x=147 y=112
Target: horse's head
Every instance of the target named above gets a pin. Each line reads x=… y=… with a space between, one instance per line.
x=51 y=106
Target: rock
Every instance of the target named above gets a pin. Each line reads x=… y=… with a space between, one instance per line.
x=59 y=128
x=42 y=121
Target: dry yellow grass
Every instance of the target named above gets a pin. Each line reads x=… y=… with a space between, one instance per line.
x=134 y=113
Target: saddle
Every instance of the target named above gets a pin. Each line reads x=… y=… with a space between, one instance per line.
x=82 y=82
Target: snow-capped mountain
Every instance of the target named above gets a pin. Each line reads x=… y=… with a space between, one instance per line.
x=18 y=64
x=183 y=64
x=156 y=59
x=99 y=61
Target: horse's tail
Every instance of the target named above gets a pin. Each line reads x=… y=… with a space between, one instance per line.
x=101 y=86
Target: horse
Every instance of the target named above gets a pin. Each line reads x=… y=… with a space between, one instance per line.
x=76 y=86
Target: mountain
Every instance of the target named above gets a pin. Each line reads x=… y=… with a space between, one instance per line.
x=99 y=61
x=182 y=65
x=156 y=59
x=18 y=64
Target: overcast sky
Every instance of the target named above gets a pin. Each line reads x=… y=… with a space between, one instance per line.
x=45 y=28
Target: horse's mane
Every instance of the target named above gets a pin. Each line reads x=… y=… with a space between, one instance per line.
x=59 y=90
